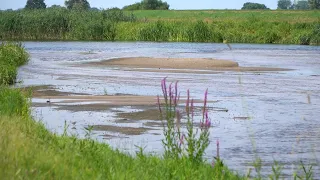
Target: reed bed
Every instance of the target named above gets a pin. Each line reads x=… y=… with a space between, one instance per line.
x=265 y=27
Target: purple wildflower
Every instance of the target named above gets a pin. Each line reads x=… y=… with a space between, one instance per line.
x=170 y=93
x=176 y=93
x=164 y=89
x=205 y=102
x=187 y=103
x=159 y=105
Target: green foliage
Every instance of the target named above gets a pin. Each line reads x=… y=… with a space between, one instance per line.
x=249 y=5
x=284 y=4
x=148 y=5
x=314 y=4
x=77 y=4
x=199 y=32
x=302 y=5
x=12 y=102
x=135 y=6
x=276 y=171
x=11 y=56
x=157 y=31
x=8 y=74
x=35 y=4
x=154 y=5
x=285 y=27
x=61 y=24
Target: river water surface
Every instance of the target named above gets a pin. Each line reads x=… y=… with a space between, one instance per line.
x=271 y=115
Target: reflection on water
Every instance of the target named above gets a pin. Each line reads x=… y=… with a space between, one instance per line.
x=283 y=107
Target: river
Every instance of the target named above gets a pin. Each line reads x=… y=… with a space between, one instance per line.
x=273 y=115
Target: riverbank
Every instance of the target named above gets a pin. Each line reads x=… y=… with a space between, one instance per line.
x=264 y=27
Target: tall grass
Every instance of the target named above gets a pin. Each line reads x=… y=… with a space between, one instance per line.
x=281 y=27
x=12 y=55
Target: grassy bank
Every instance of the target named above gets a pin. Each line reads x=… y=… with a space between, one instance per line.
x=29 y=151
x=11 y=56
x=281 y=27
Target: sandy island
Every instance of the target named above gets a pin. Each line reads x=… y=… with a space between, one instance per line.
x=169 y=64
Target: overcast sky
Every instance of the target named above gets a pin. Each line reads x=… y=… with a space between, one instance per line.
x=174 y=4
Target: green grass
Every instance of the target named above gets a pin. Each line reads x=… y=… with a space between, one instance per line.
x=28 y=151
x=235 y=26
x=291 y=16
x=12 y=55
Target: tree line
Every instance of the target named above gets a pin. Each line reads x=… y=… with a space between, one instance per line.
x=161 y=5
x=85 y=5
x=301 y=4
x=286 y=4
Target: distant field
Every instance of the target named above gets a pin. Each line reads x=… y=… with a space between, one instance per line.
x=238 y=15
x=233 y=26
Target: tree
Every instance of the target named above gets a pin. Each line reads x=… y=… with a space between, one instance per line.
x=77 y=4
x=302 y=5
x=35 y=4
x=148 y=5
x=284 y=4
x=314 y=4
x=154 y=5
x=249 y=5
x=56 y=7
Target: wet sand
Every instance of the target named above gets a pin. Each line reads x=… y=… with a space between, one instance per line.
x=122 y=130
x=179 y=65
x=45 y=90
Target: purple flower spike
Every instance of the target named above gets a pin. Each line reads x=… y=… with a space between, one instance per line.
x=176 y=94
x=208 y=124
x=164 y=89
x=192 y=109
x=159 y=105
x=205 y=102
x=170 y=93
x=178 y=97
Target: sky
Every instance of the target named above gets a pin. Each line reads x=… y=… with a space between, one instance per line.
x=174 y=4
